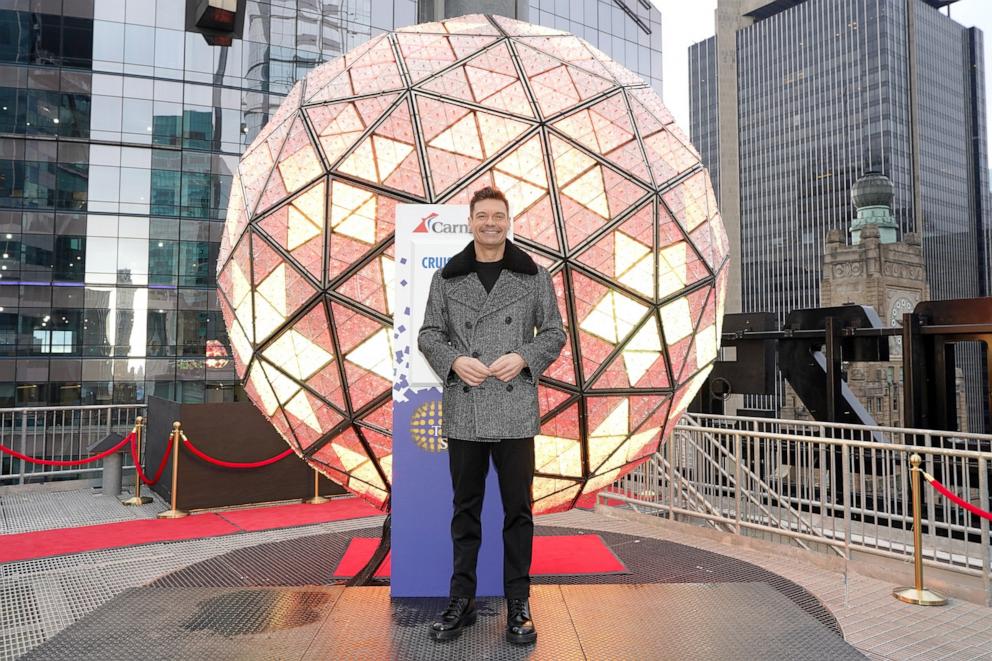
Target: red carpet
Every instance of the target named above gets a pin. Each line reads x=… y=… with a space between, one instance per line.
x=570 y=555
x=287 y=516
x=359 y=550
x=554 y=555
x=46 y=543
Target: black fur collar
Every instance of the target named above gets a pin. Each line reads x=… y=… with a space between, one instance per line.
x=514 y=259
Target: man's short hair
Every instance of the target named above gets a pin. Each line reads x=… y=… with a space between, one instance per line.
x=487 y=193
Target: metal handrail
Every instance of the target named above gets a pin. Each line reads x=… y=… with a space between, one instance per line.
x=844 y=494
x=951 y=435
x=82 y=407
x=697 y=498
x=903 y=518
x=943 y=452
x=59 y=432
x=732 y=479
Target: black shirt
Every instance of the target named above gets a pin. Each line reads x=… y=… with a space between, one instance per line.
x=488 y=273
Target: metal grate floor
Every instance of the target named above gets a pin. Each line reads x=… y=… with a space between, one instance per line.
x=660 y=621
x=311 y=560
x=40 y=598
x=44 y=597
x=271 y=600
x=32 y=510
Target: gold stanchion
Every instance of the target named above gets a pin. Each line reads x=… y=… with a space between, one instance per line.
x=175 y=513
x=139 y=433
x=918 y=594
x=317 y=498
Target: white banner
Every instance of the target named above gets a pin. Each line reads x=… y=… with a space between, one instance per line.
x=427 y=236
x=433 y=233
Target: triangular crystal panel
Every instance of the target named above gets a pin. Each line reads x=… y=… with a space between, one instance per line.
x=298 y=226
x=372 y=285
x=298 y=165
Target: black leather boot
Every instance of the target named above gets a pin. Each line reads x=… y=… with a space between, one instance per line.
x=519 y=626
x=459 y=614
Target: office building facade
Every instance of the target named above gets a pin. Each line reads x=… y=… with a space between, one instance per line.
x=818 y=93
x=120 y=128
x=704 y=107
x=629 y=31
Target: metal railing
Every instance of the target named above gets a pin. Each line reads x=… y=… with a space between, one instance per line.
x=833 y=487
x=61 y=433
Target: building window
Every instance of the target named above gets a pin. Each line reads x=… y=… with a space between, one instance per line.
x=52 y=341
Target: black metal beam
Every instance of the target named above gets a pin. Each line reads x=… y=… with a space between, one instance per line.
x=950 y=329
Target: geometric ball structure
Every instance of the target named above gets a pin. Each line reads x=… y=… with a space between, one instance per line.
x=605 y=192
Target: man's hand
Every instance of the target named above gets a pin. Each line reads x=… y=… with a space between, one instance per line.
x=507 y=366
x=471 y=370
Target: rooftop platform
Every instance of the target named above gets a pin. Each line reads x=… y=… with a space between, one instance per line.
x=267 y=593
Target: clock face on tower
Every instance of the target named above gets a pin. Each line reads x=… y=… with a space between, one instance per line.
x=900 y=306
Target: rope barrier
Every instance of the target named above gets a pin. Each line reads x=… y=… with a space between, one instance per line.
x=161 y=466
x=953 y=497
x=131 y=439
x=234 y=464
x=78 y=462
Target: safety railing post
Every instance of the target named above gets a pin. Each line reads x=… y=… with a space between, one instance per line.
x=737 y=481
x=845 y=457
x=983 y=497
x=317 y=498
x=670 y=474
x=139 y=434
x=24 y=444
x=174 y=512
x=918 y=594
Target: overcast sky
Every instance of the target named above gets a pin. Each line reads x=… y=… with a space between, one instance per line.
x=684 y=22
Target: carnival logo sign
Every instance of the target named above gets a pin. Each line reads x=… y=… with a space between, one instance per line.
x=430 y=224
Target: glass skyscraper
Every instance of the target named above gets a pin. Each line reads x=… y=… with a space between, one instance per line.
x=827 y=90
x=119 y=133
x=704 y=107
x=629 y=31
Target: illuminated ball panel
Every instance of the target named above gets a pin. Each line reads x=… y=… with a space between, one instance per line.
x=605 y=190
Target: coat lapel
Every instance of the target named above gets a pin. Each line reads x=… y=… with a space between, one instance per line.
x=507 y=289
x=469 y=292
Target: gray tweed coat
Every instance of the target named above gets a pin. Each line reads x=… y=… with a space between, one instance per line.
x=519 y=315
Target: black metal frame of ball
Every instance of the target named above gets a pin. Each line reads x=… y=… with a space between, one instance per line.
x=326 y=290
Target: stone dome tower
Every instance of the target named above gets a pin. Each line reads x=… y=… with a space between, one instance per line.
x=872 y=196
x=880 y=270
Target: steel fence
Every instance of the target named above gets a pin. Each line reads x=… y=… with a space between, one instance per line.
x=835 y=487
x=61 y=433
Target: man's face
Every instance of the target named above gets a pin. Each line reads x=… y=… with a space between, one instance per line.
x=489 y=222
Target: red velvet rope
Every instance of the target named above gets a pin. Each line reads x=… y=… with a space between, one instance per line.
x=161 y=466
x=950 y=495
x=235 y=464
x=77 y=462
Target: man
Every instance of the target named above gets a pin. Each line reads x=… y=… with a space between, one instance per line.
x=491 y=328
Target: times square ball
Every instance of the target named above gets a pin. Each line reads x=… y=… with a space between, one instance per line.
x=605 y=191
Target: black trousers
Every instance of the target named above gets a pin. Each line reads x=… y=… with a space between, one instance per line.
x=469 y=464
